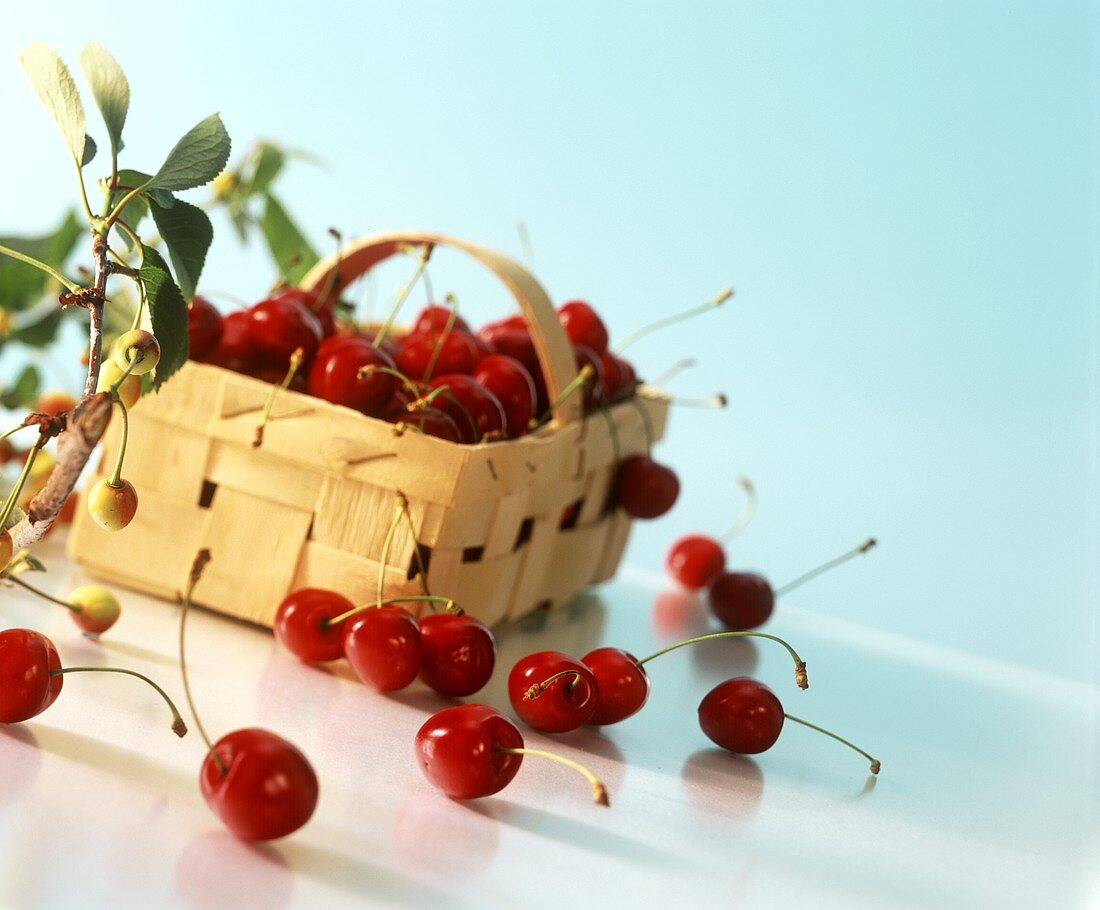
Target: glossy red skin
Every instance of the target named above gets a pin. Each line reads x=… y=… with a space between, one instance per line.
x=511 y=383
x=595 y=392
x=695 y=560
x=583 y=325
x=457 y=653
x=741 y=715
x=279 y=327
x=623 y=685
x=457 y=354
x=383 y=646
x=26 y=687
x=334 y=375
x=204 y=328
x=434 y=318
x=564 y=705
x=619 y=377
x=430 y=421
x=456 y=750
x=298 y=624
x=269 y=789
x=325 y=311
x=474 y=409
x=235 y=350
x=644 y=488
x=741 y=600
x=511 y=338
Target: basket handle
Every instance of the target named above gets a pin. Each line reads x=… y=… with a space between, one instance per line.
x=555 y=353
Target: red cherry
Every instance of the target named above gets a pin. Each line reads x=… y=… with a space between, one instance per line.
x=301 y=627
x=595 y=392
x=336 y=374
x=279 y=327
x=555 y=705
x=741 y=600
x=741 y=715
x=622 y=683
x=618 y=376
x=436 y=318
x=458 y=751
x=695 y=560
x=268 y=788
x=430 y=422
x=26 y=686
x=583 y=326
x=511 y=383
x=383 y=646
x=644 y=488
x=474 y=409
x=457 y=653
x=235 y=350
x=512 y=339
x=204 y=328
x=457 y=353
x=324 y=310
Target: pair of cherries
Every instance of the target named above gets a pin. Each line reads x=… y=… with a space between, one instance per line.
x=386 y=645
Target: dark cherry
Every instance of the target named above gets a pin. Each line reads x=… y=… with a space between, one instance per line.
x=458 y=751
x=383 y=646
x=204 y=328
x=741 y=600
x=511 y=383
x=324 y=310
x=618 y=376
x=644 y=488
x=623 y=685
x=511 y=338
x=430 y=422
x=474 y=409
x=336 y=375
x=235 y=350
x=457 y=653
x=595 y=392
x=268 y=788
x=457 y=354
x=279 y=327
x=741 y=715
x=583 y=325
x=26 y=686
x=435 y=318
x=566 y=703
x=695 y=560
x=300 y=623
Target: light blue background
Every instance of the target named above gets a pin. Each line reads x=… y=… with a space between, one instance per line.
x=904 y=195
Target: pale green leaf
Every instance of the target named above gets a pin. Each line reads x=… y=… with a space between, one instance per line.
x=291 y=251
x=187 y=233
x=53 y=83
x=89 y=150
x=109 y=88
x=196 y=159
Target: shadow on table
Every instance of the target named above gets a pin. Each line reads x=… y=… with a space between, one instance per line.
x=217 y=870
x=720 y=781
x=20 y=759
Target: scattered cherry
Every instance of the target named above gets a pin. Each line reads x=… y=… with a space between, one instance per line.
x=97 y=609
x=644 y=488
x=623 y=684
x=383 y=646
x=301 y=624
x=112 y=506
x=695 y=560
x=204 y=328
x=457 y=653
x=552 y=692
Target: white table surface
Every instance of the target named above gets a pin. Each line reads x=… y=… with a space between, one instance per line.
x=987 y=796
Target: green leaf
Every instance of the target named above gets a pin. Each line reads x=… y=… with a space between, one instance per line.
x=196 y=159
x=289 y=248
x=162 y=198
x=53 y=83
x=89 y=150
x=43 y=333
x=269 y=162
x=187 y=233
x=109 y=88
x=167 y=312
x=24 y=391
x=22 y=285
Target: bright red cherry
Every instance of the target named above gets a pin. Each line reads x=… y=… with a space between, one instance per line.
x=235 y=350
x=474 y=409
x=741 y=600
x=644 y=488
x=339 y=374
x=204 y=328
x=324 y=310
x=742 y=715
x=695 y=560
x=583 y=325
x=279 y=327
x=453 y=352
x=27 y=688
x=511 y=383
x=459 y=751
x=436 y=318
x=266 y=788
x=383 y=646
x=302 y=623
x=429 y=421
x=457 y=653
x=552 y=692
x=622 y=682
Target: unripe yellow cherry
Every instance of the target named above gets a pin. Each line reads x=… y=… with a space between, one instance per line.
x=137 y=345
x=99 y=608
x=129 y=390
x=111 y=507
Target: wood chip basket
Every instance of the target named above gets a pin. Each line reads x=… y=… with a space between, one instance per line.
x=505 y=527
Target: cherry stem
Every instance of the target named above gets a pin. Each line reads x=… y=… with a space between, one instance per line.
x=721 y=297
x=444 y=391
x=384 y=329
x=578 y=382
x=368 y=369
x=56 y=600
x=116 y=475
x=114 y=387
x=334 y=275
x=386 y=544
x=800 y=677
x=403 y=503
x=538 y=688
x=13 y=496
x=599 y=791
x=15 y=429
x=876 y=765
x=449 y=605
x=715 y=403
x=613 y=430
x=296 y=359
x=525 y=245
x=673 y=371
x=178 y=726
x=748 y=510
x=825 y=567
x=201 y=559
x=437 y=349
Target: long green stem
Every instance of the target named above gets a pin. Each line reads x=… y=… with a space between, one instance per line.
x=15 y=579
x=84 y=194
x=721 y=297
x=15 y=430
x=748 y=510
x=800 y=676
x=876 y=765
x=825 y=567
x=412 y=598
x=116 y=475
x=30 y=260
x=437 y=349
x=578 y=382
x=178 y=726
x=295 y=365
x=599 y=791
x=386 y=544
x=403 y=502
x=384 y=329
x=201 y=559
